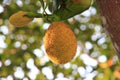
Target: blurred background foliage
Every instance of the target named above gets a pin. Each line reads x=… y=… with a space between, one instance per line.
x=22 y=54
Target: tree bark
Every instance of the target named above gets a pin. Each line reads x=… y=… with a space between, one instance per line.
x=110 y=12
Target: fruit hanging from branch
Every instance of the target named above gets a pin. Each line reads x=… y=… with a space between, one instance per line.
x=61 y=10
x=60 y=43
x=18 y=19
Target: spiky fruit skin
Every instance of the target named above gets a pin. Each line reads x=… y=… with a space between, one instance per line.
x=60 y=43
x=18 y=19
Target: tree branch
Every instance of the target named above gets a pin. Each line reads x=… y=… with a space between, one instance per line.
x=110 y=10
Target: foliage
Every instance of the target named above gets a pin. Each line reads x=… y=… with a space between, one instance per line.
x=22 y=54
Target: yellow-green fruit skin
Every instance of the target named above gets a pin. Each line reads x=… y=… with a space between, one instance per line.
x=18 y=19
x=60 y=43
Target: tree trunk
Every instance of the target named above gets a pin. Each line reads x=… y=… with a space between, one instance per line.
x=110 y=12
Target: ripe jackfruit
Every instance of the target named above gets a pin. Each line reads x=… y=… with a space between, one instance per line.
x=18 y=19
x=60 y=43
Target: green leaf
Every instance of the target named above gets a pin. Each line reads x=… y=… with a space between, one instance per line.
x=70 y=9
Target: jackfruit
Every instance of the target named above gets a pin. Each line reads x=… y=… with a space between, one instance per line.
x=18 y=19
x=60 y=43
